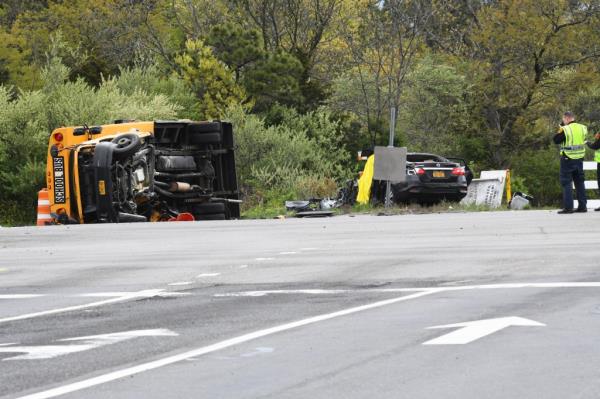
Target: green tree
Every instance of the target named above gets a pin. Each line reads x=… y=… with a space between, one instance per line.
x=434 y=108
x=268 y=77
x=520 y=45
x=300 y=28
x=384 y=45
x=210 y=79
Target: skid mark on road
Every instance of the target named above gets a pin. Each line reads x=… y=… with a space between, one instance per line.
x=69 y=346
x=132 y=296
x=161 y=294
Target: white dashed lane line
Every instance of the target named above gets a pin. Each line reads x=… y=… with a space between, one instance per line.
x=204 y=275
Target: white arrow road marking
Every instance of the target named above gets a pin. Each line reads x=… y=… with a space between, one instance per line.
x=473 y=330
x=83 y=344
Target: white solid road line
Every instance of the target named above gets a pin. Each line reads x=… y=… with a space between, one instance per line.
x=115 y=375
x=92 y=295
x=593 y=284
x=134 y=295
x=20 y=296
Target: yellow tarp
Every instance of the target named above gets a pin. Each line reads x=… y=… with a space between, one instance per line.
x=365 y=181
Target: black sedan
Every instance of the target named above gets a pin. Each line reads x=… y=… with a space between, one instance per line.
x=430 y=179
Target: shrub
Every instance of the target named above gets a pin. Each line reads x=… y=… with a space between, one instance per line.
x=283 y=161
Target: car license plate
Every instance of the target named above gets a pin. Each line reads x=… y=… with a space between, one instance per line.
x=439 y=174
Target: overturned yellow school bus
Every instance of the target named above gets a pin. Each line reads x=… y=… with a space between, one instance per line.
x=132 y=171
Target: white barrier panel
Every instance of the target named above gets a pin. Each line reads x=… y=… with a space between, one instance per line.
x=487 y=190
x=590 y=185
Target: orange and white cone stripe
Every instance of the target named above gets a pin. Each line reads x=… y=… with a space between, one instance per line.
x=43 y=208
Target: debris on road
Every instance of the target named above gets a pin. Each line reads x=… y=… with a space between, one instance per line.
x=312 y=208
x=520 y=201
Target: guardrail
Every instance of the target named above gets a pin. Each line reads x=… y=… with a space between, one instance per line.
x=590 y=185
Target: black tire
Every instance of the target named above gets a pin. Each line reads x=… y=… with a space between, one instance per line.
x=209 y=208
x=216 y=216
x=126 y=145
x=205 y=133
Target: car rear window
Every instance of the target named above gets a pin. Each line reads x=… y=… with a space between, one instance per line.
x=424 y=158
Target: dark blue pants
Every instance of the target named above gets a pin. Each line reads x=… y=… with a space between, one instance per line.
x=571 y=171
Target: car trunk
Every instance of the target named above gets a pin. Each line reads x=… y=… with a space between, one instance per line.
x=437 y=172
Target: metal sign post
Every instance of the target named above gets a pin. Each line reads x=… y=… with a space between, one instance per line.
x=388 y=184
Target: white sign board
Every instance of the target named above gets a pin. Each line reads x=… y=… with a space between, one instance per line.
x=390 y=164
x=487 y=190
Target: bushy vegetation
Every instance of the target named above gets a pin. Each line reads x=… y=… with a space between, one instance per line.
x=300 y=157
x=306 y=83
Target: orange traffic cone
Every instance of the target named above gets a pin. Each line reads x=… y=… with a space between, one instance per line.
x=43 y=209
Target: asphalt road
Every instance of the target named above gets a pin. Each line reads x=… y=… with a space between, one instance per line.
x=315 y=308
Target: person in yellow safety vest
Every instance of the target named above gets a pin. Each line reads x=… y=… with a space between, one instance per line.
x=572 y=138
x=596 y=147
